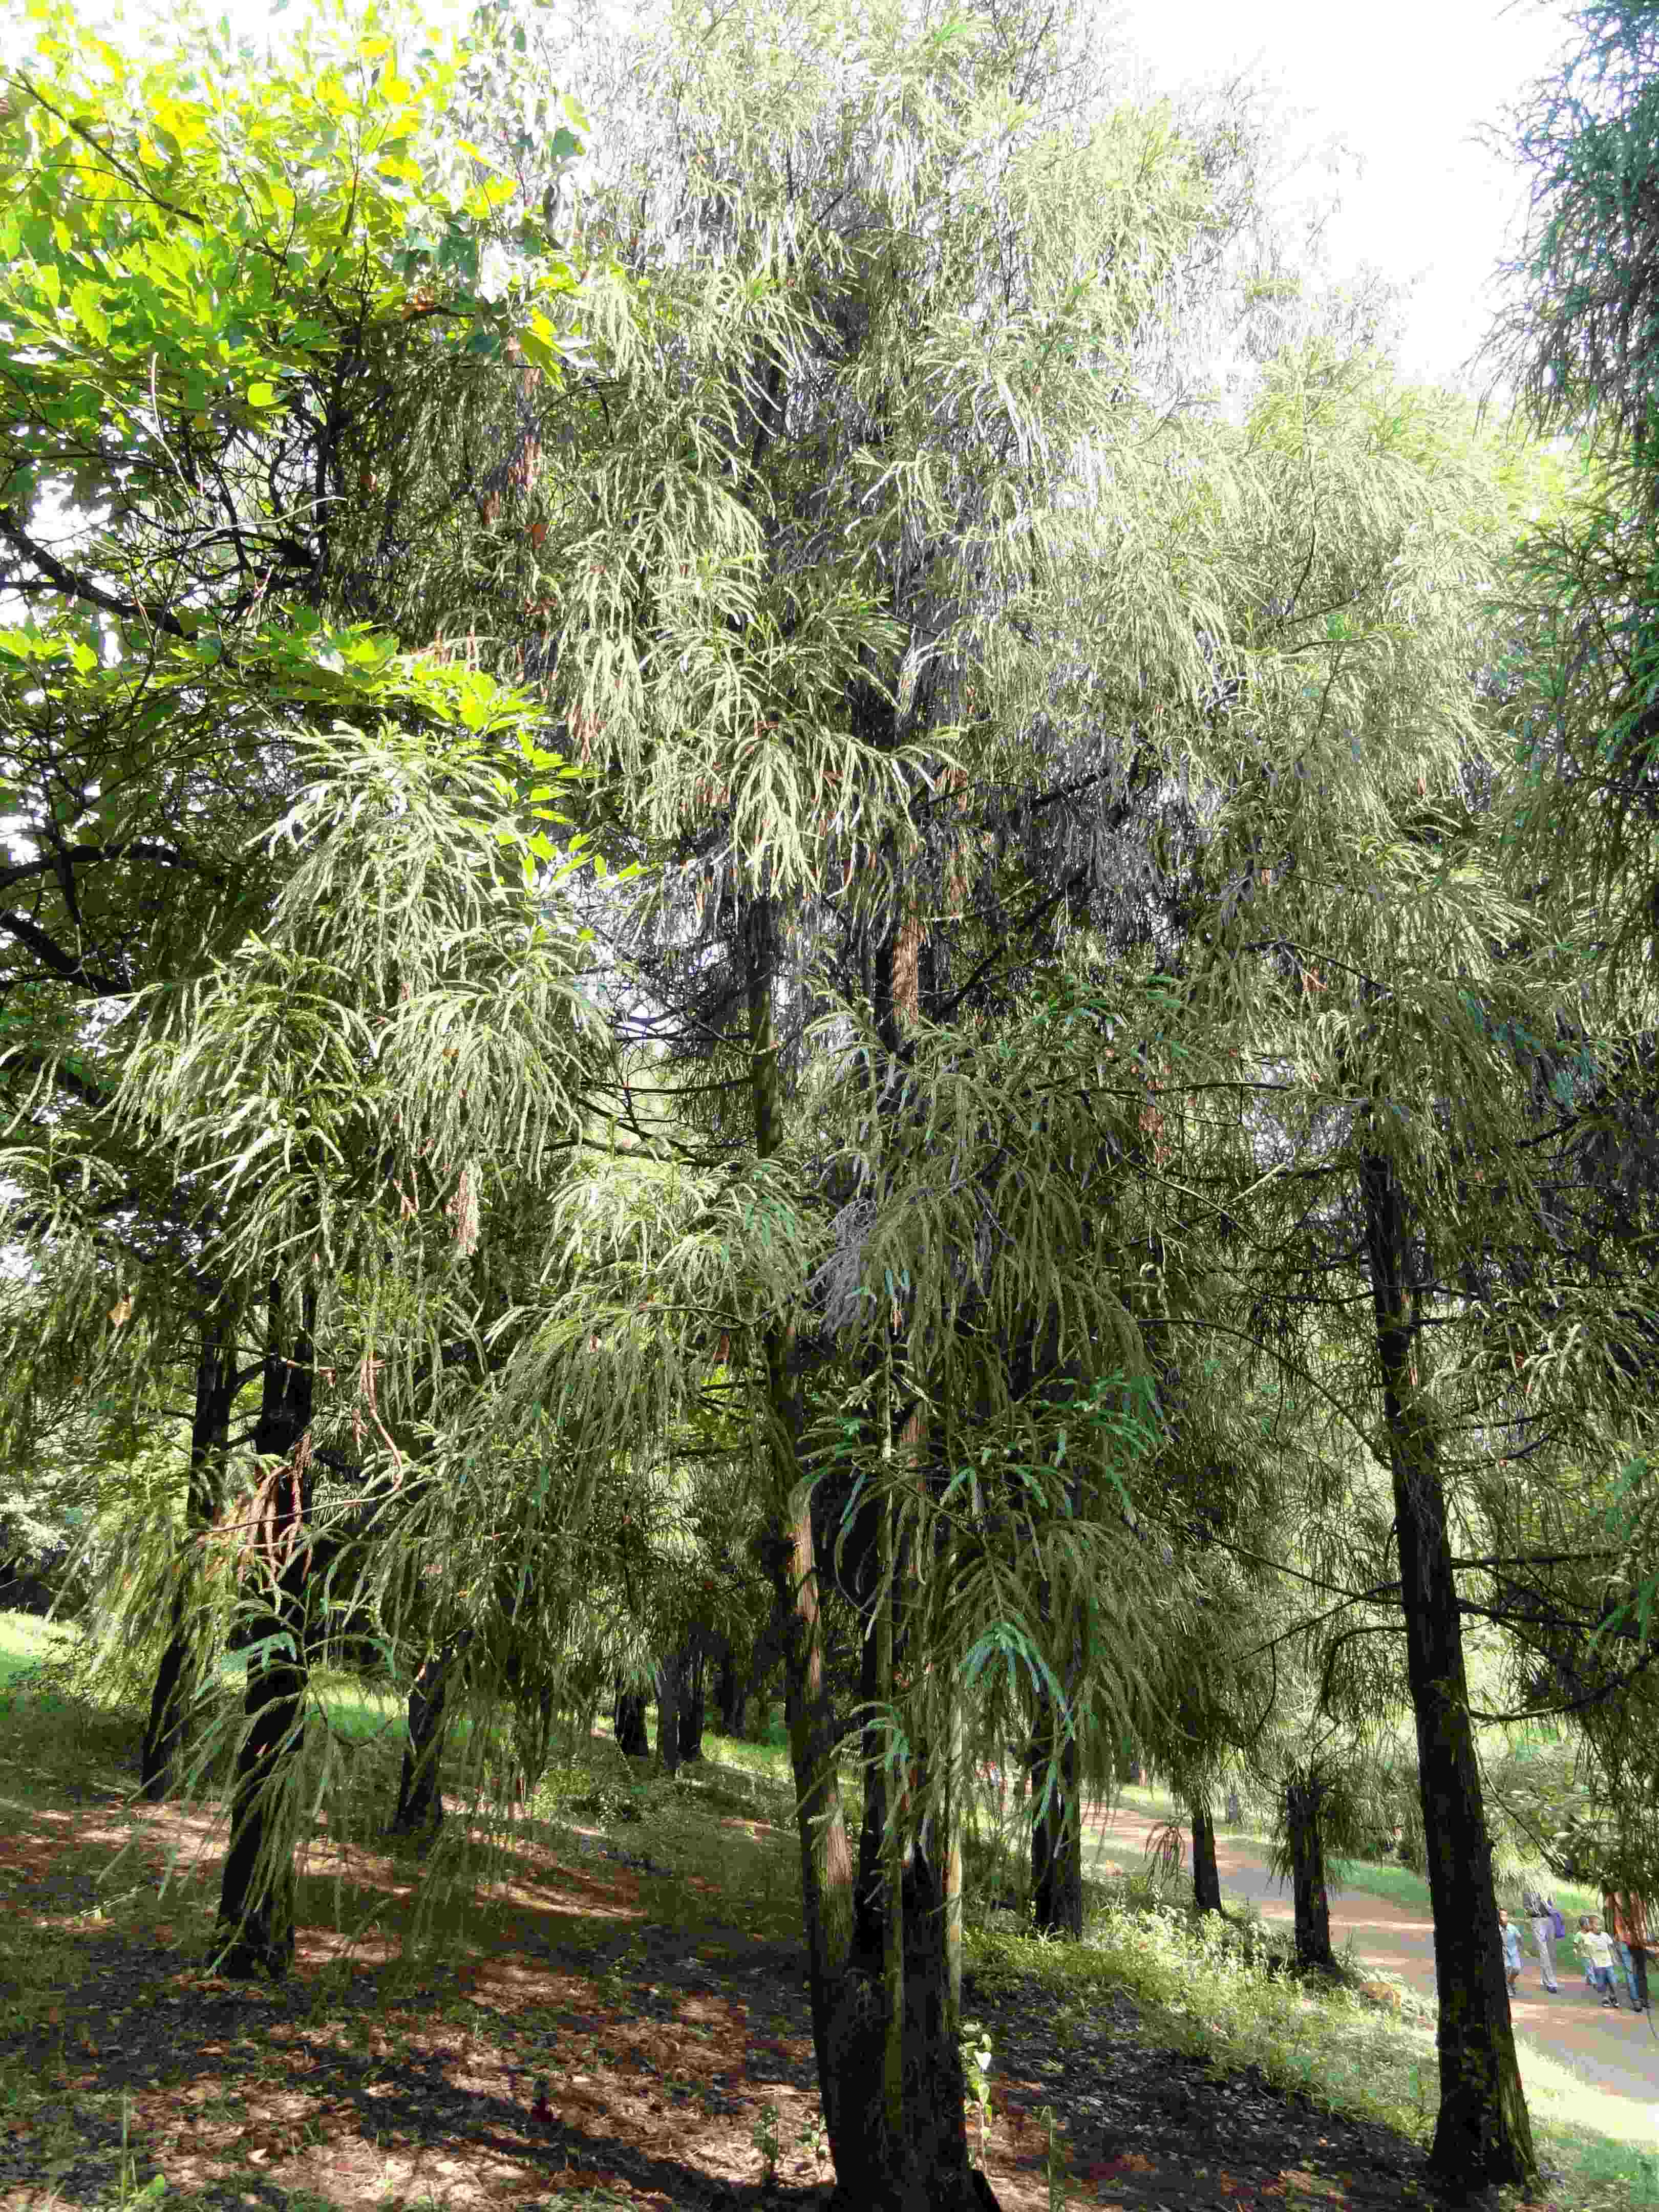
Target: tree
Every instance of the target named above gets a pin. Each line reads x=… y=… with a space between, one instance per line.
x=1579 y=330
x=828 y=683
x=1384 y=1016
x=725 y=729
x=200 y=363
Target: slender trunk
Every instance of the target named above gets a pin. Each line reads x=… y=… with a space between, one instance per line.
x=693 y=1706
x=730 y=1691
x=825 y=1863
x=922 y=2164
x=870 y=1887
x=1207 y=1882
x=1483 y=2134
x=1304 y=1796
x=256 y=1901
x=1056 y=1829
x=420 y=1794
x=1057 y=1820
x=671 y=1693
x=628 y=1718
x=177 y=1678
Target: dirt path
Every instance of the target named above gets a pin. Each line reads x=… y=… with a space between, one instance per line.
x=1614 y=2051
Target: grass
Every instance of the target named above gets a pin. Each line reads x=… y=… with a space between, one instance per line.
x=695 y=1858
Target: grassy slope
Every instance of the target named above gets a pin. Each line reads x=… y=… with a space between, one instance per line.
x=1190 y=1978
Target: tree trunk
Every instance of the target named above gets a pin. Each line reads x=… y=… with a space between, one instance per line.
x=870 y=1885
x=1207 y=1882
x=420 y=1796
x=177 y=1677
x=671 y=1696
x=731 y=1692
x=847 y=2013
x=628 y=1720
x=256 y=1900
x=1304 y=1796
x=1056 y=1831
x=693 y=1706
x=1483 y=2134
x=921 y=2164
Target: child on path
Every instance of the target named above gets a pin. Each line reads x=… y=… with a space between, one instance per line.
x=1598 y=1949
x=1512 y=1935
x=1539 y=1909
x=1584 y=1920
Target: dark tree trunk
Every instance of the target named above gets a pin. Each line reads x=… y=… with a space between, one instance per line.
x=671 y=1695
x=1304 y=1796
x=927 y=2165
x=255 y=1900
x=1483 y=2134
x=731 y=1692
x=1207 y=1882
x=177 y=1676
x=693 y=1706
x=420 y=1795
x=1056 y=1831
x=869 y=1884
x=917 y=2162
x=628 y=1720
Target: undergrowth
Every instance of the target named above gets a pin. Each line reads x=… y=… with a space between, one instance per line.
x=1221 y=1988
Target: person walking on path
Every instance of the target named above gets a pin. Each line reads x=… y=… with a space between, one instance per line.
x=1539 y=1909
x=1624 y=1915
x=1597 y=1947
x=1512 y=1935
x=1585 y=1920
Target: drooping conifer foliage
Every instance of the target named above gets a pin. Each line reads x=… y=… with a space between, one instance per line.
x=839 y=920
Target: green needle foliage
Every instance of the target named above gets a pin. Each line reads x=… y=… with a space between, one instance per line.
x=980 y=938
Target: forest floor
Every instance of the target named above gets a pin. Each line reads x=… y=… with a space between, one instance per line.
x=618 y=2017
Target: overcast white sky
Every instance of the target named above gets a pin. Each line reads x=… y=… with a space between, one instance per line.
x=1405 y=87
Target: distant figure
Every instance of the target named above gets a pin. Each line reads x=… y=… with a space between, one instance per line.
x=1396 y=1842
x=1234 y=1815
x=1511 y=1937
x=1539 y=1910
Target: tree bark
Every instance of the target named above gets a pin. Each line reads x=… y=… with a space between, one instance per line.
x=629 y=1721
x=1056 y=1831
x=671 y=1695
x=1304 y=1796
x=693 y=1705
x=257 y=1899
x=730 y=1691
x=1483 y=2134
x=870 y=1885
x=1207 y=1882
x=177 y=1677
x=420 y=1795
